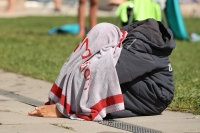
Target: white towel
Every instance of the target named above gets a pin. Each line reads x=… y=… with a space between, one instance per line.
x=88 y=87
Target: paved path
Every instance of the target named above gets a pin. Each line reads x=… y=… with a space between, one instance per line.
x=14 y=118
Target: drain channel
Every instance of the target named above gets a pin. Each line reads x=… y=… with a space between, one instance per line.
x=127 y=126
x=21 y=98
x=112 y=123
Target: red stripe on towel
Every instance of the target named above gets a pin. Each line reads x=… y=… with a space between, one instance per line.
x=112 y=100
x=63 y=100
x=56 y=90
x=65 y=104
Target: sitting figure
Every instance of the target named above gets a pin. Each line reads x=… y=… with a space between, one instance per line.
x=115 y=73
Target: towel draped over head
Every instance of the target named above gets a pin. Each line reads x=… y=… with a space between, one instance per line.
x=87 y=86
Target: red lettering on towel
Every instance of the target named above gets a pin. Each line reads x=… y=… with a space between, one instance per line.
x=84 y=65
x=87 y=77
x=88 y=54
x=87 y=74
x=76 y=48
x=121 y=39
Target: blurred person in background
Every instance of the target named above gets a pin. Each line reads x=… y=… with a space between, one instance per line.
x=58 y=4
x=10 y=6
x=92 y=15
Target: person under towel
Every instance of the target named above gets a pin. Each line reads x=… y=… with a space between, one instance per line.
x=115 y=73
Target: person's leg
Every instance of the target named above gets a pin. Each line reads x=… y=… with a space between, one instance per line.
x=46 y=111
x=93 y=13
x=10 y=6
x=81 y=18
x=58 y=4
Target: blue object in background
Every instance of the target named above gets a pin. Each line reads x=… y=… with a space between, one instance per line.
x=175 y=20
x=68 y=28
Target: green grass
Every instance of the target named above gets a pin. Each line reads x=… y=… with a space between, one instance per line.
x=186 y=68
x=26 y=48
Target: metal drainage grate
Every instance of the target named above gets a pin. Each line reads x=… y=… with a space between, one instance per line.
x=127 y=126
x=112 y=123
x=21 y=98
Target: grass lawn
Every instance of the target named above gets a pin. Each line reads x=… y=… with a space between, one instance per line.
x=26 y=48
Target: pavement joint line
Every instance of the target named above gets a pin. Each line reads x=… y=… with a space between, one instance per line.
x=112 y=123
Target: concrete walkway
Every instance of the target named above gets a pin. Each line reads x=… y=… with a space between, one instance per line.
x=14 y=118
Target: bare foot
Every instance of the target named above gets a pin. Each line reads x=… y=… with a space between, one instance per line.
x=46 y=111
